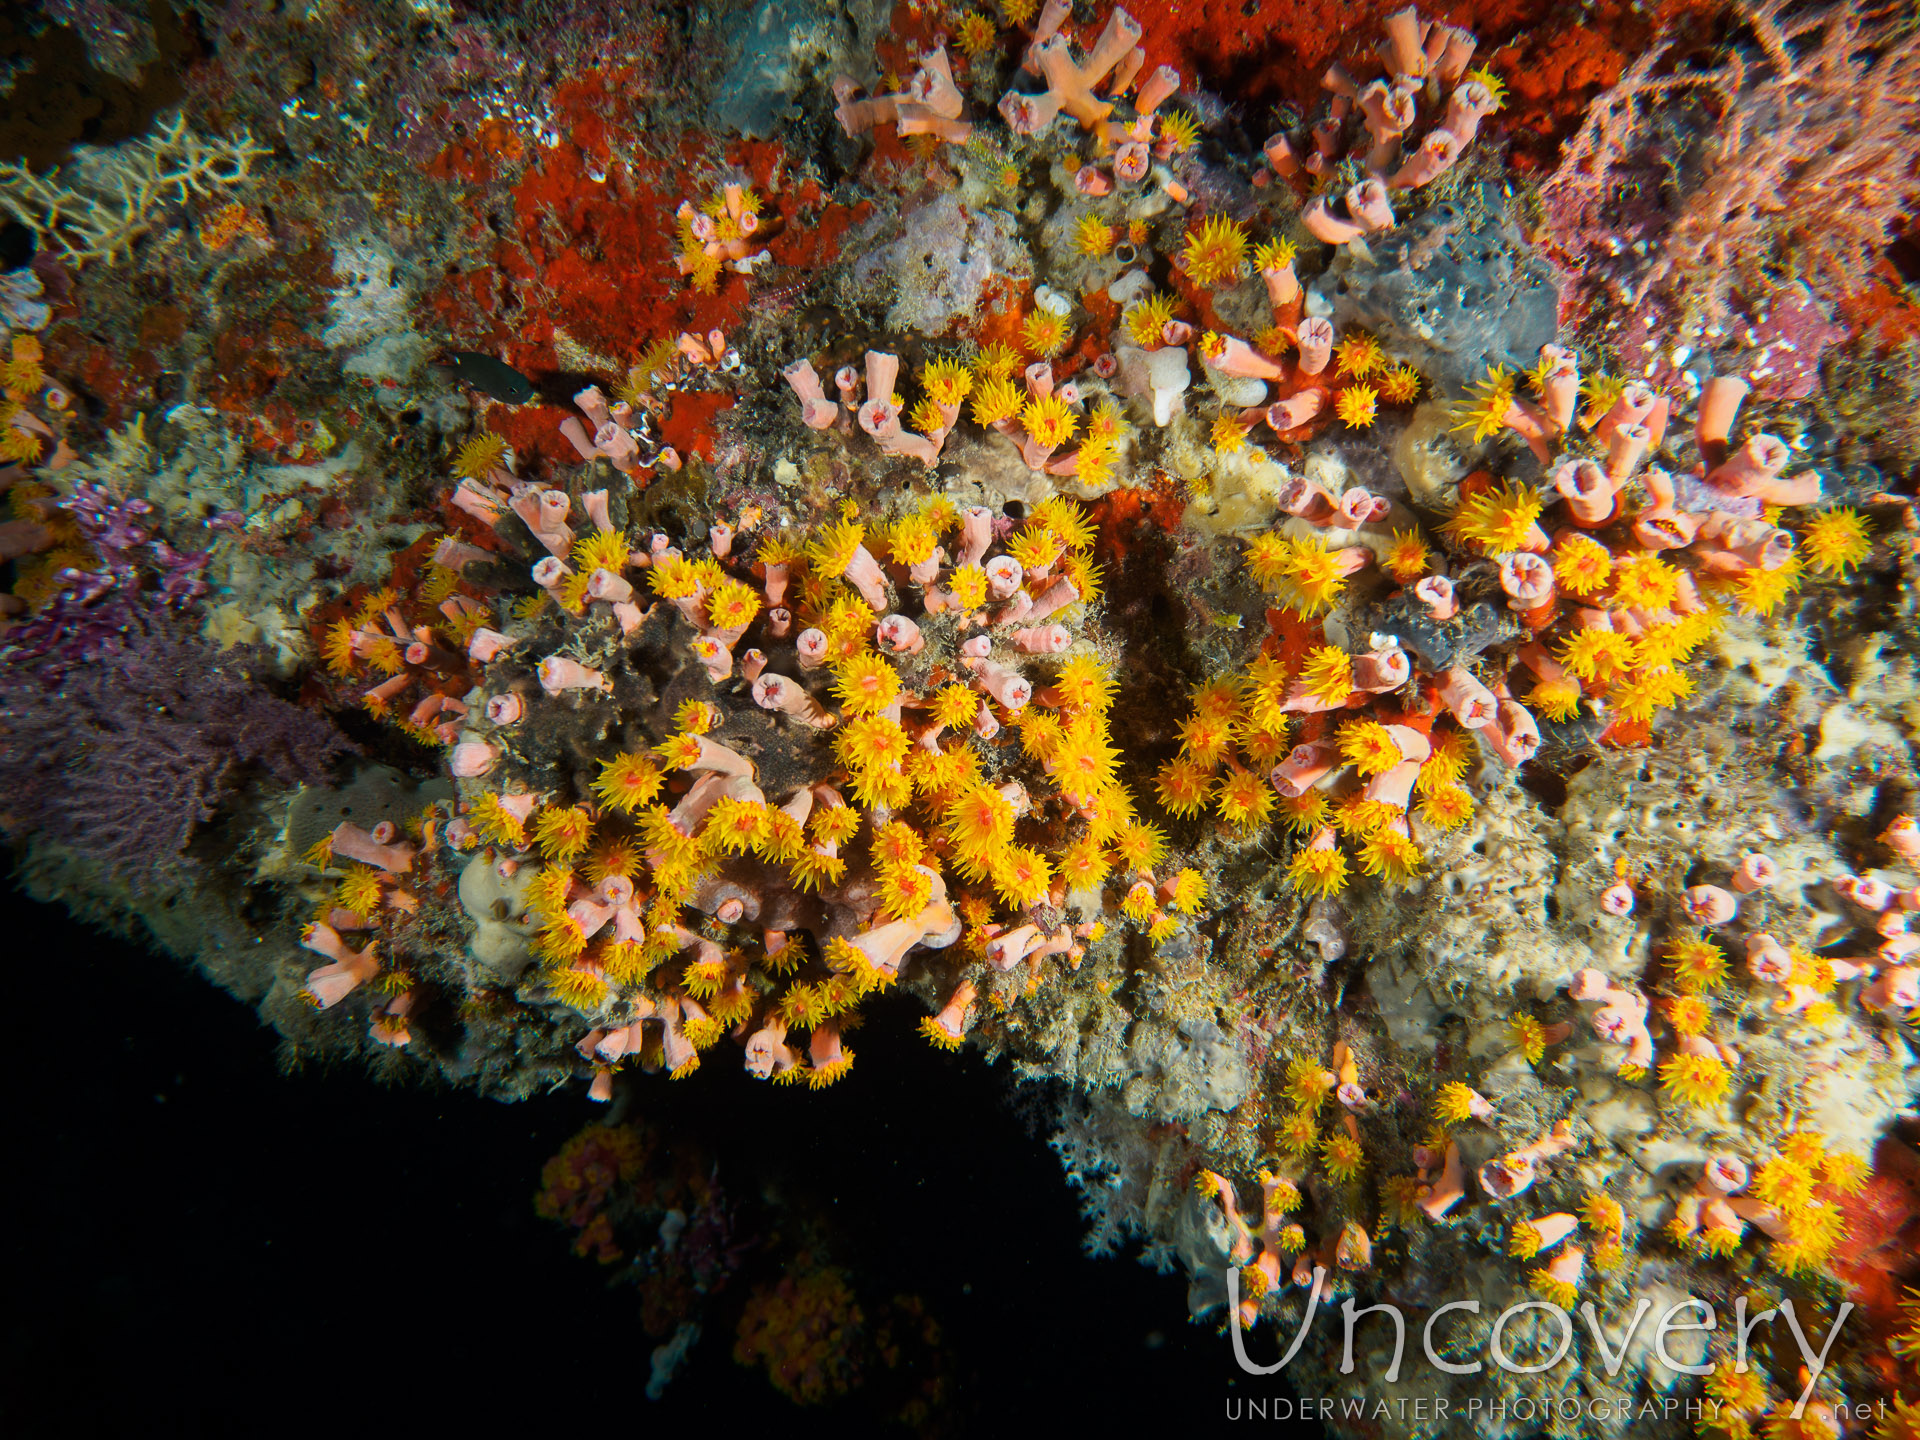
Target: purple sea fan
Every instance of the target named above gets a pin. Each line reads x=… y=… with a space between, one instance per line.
x=122 y=753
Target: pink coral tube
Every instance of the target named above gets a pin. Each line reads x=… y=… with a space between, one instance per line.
x=1315 y=339
x=558 y=673
x=1042 y=640
x=1472 y=704
x=777 y=692
x=816 y=411
x=1304 y=766
x=1588 y=490
x=1010 y=688
x=1710 y=905
x=1436 y=593
x=899 y=636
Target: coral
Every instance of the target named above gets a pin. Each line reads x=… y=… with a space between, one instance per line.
x=110 y=198
x=1225 y=632
x=1806 y=112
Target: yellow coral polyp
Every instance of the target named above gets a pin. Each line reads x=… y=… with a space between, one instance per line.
x=1204 y=739
x=1215 y=251
x=1359 y=355
x=1357 y=406
x=1369 y=747
x=973 y=37
x=1092 y=236
x=1044 y=333
x=1021 y=877
x=1590 y=654
x=1328 y=674
x=1184 y=786
x=1083 y=682
x=1146 y=321
x=832 y=551
x=968 y=586
x=627 y=783
x=1314 y=576
x=485 y=452
x=1644 y=582
x=1049 y=420
x=1761 y=592
x=865 y=684
x=1318 y=872
x=1556 y=700
x=870 y=742
x=1446 y=807
x=1835 y=541
x=1400 y=385
x=1391 y=855
x=1244 y=800
x=1408 y=558
x=1268 y=556
x=1342 y=1157
x=1581 y=565
x=979 y=820
x=1485 y=411
x=561 y=833
x=1700 y=1080
x=1499 y=520
x=1229 y=436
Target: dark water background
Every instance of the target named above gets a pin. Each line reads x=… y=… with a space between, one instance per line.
x=198 y=1244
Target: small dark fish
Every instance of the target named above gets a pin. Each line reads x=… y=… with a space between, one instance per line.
x=488 y=375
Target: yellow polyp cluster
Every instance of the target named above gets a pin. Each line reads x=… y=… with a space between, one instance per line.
x=1700 y=1080
x=1357 y=406
x=1146 y=320
x=1044 y=333
x=483 y=453
x=1498 y=520
x=1092 y=236
x=1215 y=251
x=975 y=35
x=1696 y=963
x=1303 y=574
x=1484 y=413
